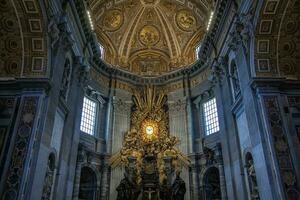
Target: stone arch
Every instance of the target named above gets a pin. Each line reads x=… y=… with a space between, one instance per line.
x=24 y=39
x=89 y=183
x=276 y=45
x=210 y=183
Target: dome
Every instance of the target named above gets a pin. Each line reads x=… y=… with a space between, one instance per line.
x=150 y=37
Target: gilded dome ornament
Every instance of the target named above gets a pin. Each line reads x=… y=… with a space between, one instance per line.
x=150 y=38
x=150 y=2
x=112 y=20
x=149 y=35
x=185 y=20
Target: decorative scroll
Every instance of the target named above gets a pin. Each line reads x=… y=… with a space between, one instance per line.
x=282 y=151
x=24 y=129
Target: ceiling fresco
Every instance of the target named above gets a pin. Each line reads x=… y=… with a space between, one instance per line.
x=150 y=37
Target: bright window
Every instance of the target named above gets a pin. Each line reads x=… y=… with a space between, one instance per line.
x=197 y=49
x=88 y=118
x=101 y=50
x=211 y=116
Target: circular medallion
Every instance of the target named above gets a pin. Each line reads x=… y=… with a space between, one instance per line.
x=185 y=20
x=149 y=130
x=149 y=35
x=112 y=20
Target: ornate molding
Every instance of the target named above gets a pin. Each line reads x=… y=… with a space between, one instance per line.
x=193 y=69
x=178 y=106
x=217 y=71
x=21 y=149
x=83 y=71
x=281 y=147
x=66 y=40
x=121 y=106
x=59 y=33
x=243 y=29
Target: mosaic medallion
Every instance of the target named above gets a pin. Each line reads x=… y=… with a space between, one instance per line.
x=149 y=35
x=112 y=20
x=185 y=20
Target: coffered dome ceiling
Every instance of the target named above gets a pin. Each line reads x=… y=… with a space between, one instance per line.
x=150 y=37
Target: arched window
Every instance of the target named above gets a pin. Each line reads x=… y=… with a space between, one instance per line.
x=101 y=48
x=251 y=175
x=234 y=79
x=197 y=50
x=48 y=182
x=88 y=184
x=212 y=187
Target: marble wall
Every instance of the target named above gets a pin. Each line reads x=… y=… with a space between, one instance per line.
x=120 y=125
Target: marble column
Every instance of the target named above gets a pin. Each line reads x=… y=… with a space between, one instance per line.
x=121 y=124
x=178 y=120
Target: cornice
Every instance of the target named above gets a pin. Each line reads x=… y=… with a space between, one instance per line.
x=25 y=83
x=262 y=85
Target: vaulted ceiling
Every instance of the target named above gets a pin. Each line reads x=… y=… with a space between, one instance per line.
x=150 y=37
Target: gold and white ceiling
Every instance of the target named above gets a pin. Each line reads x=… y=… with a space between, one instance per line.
x=150 y=37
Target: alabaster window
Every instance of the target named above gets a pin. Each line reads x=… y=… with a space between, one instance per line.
x=210 y=113
x=88 y=117
x=197 y=49
x=101 y=48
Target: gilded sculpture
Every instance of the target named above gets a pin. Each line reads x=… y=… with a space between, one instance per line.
x=149 y=136
x=185 y=20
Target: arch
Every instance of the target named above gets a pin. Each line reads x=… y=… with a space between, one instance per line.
x=24 y=39
x=88 y=184
x=275 y=45
x=211 y=184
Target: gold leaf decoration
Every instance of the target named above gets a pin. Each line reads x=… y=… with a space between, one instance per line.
x=149 y=134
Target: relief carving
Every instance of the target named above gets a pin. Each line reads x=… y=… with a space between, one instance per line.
x=113 y=19
x=121 y=106
x=149 y=35
x=134 y=31
x=185 y=20
x=282 y=152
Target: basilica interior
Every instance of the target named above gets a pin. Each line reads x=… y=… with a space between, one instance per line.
x=150 y=99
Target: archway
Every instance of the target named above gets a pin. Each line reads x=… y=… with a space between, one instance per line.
x=88 y=184
x=211 y=181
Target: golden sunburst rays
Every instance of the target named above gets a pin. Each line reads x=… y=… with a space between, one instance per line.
x=149 y=99
x=149 y=134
